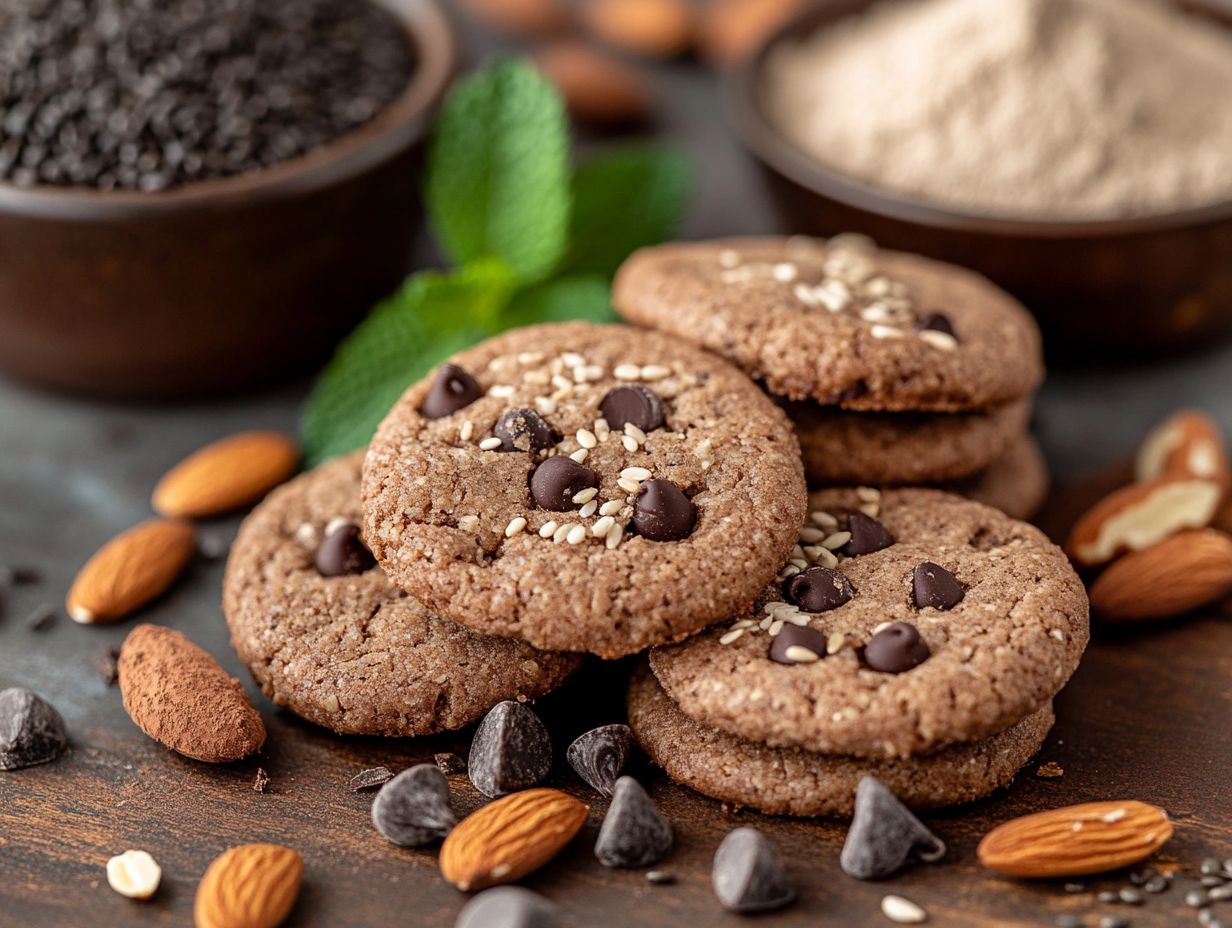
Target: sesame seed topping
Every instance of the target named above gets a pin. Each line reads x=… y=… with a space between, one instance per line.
x=585 y=496
x=627 y=372
x=629 y=486
x=515 y=526
x=547 y=529
x=799 y=563
x=789 y=571
x=601 y=427
x=600 y=528
x=538 y=378
x=562 y=383
x=877 y=629
x=800 y=654
x=561 y=533
x=826 y=558
x=635 y=473
x=824 y=519
x=784 y=271
x=731 y=636
x=614 y=535
x=572 y=359
x=467 y=430
x=490 y=444
x=577 y=534
x=729 y=258
x=306 y=534
x=634 y=432
x=610 y=508
x=586 y=438
x=579 y=455
x=870 y=509
x=655 y=372
x=942 y=341
x=545 y=405
x=501 y=390
x=835 y=642
x=530 y=357
x=836 y=541
x=629 y=442
x=886 y=331
x=1057 y=634
x=588 y=509
x=868 y=494
x=744 y=623
x=811 y=534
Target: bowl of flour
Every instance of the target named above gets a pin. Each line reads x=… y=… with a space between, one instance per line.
x=1078 y=152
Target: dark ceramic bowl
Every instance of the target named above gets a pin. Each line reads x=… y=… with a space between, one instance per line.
x=218 y=284
x=1119 y=287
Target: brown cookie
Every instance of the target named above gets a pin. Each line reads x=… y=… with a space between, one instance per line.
x=792 y=781
x=581 y=534
x=350 y=651
x=842 y=448
x=1017 y=483
x=839 y=322
x=957 y=622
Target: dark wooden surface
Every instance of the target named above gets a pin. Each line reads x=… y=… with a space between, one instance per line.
x=1146 y=717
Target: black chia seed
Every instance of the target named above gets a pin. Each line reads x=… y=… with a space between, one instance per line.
x=149 y=94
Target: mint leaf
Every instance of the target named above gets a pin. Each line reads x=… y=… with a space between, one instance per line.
x=624 y=200
x=587 y=298
x=498 y=173
x=431 y=317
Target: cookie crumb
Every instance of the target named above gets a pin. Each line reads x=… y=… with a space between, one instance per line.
x=261 y=782
x=1050 y=770
x=107 y=662
x=41 y=618
x=367 y=779
x=450 y=763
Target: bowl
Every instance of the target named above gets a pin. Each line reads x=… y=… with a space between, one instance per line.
x=1112 y=288
x=223 y=283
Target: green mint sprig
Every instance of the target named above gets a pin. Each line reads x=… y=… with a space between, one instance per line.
x=532 y=240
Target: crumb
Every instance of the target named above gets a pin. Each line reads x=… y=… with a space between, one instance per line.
x=262 y=780
x=1050 y=770
x=450 y=763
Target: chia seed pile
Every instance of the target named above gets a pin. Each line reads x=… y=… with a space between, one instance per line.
x=150 y=94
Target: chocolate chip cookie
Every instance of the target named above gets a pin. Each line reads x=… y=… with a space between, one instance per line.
x=583 y=487
x=793 y=781
x=840 y=322
x=326 y=634
x=906 y=620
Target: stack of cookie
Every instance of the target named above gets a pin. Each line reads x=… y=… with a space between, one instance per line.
x=895 y=369
x=923 y=646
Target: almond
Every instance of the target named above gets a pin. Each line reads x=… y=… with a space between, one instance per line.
x=658 y=28
x=526 y=17
x=227 y=474
x=179 y=695
x=1168 y=579
x=250 y=886
x=731 y=29
x=597 y=87
x=130 y=570
x=1186 y=444
x=507 y=839
x=1076 y=840
x=1140 y=515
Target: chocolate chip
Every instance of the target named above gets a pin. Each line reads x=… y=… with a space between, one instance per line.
x=557 y=480
x=662 y=512
x=511 y=750
x=412 y=809
x=508 y=907
x=895 y=648
x=867 y=535
x=818 y=589
x=342 y=553
x=795 y=643
x=634 y=405
x=747 y=875
x=933 y=585
x=449 y=763
x=633 y=833
x=374 y=776
x=599 y=755
x=31 y=730
x=451 y=390
x=108 y=662
x=884 y=836
x=524 y=430
x=935 y=322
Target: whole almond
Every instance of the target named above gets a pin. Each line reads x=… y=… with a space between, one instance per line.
x=1076 y=840
x=250 y=886
x=535 y=18
x=1141 y=515
x=597 y=87
x=507 y=839
x=731 y=29
x=179 y=695
x=227 y=474
x=1186 y=444
x=658 y=28
x=130 y=570
x=1168 y=579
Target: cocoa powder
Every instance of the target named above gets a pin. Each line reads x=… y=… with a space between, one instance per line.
x=179 y=695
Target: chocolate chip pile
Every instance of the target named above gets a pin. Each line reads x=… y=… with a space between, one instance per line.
x=150 y=94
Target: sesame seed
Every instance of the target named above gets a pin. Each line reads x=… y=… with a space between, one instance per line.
x=586 y=438
x=600 y=528
x=502 y=390
x=812 y=552
x=561 y=533
x=826 y=558
x=744 y=623
x=942 y=341
x=789 y=571
x=655 y=372
x=577 y=534
x=629 y=442
x=547 y=529
x=530 y=357
x=585 y=496
x=731 y=636
x=467 y=430
x=1057 y=634
x=775 y=627
x=562 y=383
x=800 y=654
x=729 y=258
x=835 y=642
x=766 y=622
x=870 y=509
x=799 y=563
x=797 y=551
x=588 y=509
x=877 y=629
x=634 y=432
x=306 y=534
x=824 y=519
x=627 y=372
x=784 y=271
x=589 y=372
x=610 y=508
x=868 y=494
x=837 y=540
x=579 y=455
x=886 y=331
x=635 y=473
x=601 y=426
x=515 y=525
x=811 y=534
x=538 y=378
x=572 y=359
x=614 y=535
x=804 y=294
x=490 y=444
x=876 y=312
x=545 y=404
x=466 y=523
x=878 y=286
x=334 y=524
x=629 y=486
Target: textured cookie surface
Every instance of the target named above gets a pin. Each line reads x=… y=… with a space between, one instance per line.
x=996 y=656
x=839 y=323
x=354 y=653
x=462 y=529
x=844 y=448
x=1016 y=483
x=792 y=781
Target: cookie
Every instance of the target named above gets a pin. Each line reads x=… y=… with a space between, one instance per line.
x=840 y=322
x=350 y=651
x=792 y=781
x=593 y=488
x=843 y=448
x=940 y=621
x=1017 y=483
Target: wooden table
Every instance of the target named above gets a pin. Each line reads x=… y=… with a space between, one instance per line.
x=1146 y=717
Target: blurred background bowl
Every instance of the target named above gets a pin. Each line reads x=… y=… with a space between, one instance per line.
x=223 y=283
x=1112 y=288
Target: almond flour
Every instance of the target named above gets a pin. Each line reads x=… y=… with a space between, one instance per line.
x=1044 y=109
